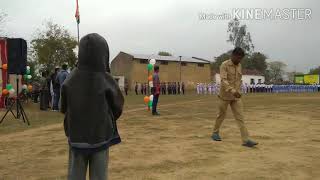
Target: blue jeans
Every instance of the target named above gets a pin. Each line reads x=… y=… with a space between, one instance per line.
x=155 y=103
x=79 y=162
x=56 y=98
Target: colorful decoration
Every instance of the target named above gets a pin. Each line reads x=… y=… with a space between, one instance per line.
x=9 y=87
x=152 y=61
x=28 y=71
x=151 y=84
x=150 y=104
x=28 y=68
x=4 y=66
x=5 y=92
x=149 y=100
x=151 y=97
x=30 y=88
x=24 y=87
x=146 y=99
x=12 y=91
x=150 y=66
x=29 y=77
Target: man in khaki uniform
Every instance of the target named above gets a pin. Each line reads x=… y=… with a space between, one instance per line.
x=231 y=74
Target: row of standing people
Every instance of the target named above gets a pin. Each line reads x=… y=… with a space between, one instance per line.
x=170 y=88
x=264 y=88
x=213 y=88
x=204 y=88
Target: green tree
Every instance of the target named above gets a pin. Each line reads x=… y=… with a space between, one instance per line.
x=164 y=53
x=220 y=59
x=275 y=71
x=239 y=36
x=315 y=70
x=257 y=61
x=53 y=47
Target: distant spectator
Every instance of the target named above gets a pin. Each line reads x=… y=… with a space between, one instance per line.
x=44 y=92
x=55 y=90
x=62 y=75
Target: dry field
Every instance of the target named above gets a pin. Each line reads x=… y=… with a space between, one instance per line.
x=177 y=144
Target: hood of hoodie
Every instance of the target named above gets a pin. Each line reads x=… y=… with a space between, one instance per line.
x=93 y=54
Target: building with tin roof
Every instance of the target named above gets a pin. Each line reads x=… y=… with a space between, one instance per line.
x=133 y=67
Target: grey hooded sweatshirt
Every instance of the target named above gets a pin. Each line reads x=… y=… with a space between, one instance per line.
x=91 y=99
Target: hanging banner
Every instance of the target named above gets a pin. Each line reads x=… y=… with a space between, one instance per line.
x=3 y=74
x=299 y=79
x=311 y=79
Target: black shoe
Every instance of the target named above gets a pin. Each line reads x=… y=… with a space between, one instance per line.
x=216 y=137
x=249 y=143
x=156 y=114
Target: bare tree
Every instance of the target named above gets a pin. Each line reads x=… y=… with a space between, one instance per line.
x=239 y=36
x=275 y=71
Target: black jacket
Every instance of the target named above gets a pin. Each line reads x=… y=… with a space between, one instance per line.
x=91 y=99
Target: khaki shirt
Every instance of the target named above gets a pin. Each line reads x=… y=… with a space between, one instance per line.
x=231 y=76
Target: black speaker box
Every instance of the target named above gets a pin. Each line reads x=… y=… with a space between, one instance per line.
x=17 y=56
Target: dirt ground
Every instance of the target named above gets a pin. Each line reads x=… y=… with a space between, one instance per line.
x=177 y=144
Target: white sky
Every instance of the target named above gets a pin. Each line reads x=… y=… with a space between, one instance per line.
x=149 y=26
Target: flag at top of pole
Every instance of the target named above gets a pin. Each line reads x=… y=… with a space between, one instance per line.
x=77 y=13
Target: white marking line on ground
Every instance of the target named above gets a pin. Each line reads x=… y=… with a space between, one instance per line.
x=165 y=105
x=200 y=118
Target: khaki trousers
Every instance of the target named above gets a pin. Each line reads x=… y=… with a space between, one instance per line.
x=237 y=110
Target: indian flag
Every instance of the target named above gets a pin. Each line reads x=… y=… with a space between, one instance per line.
x=77 y=13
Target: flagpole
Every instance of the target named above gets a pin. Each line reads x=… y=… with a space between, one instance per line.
x=78 y=33
x=78 y=20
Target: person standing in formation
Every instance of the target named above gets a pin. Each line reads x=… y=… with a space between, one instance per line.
x=182 y=88
x=212 y=84
x=179 y=88
x=126 y=87
x=230 y=72
x=198 y=88
x=204 y=88
x=141 y=88
x=174 y=88
x=145 y=88
x=209 y=89
x=213 y=88
x=136 y=88
x=163 y=88
x=201 y=88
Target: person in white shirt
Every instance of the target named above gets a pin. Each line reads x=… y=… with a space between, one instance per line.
x=205 y=88
x=198 y=88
